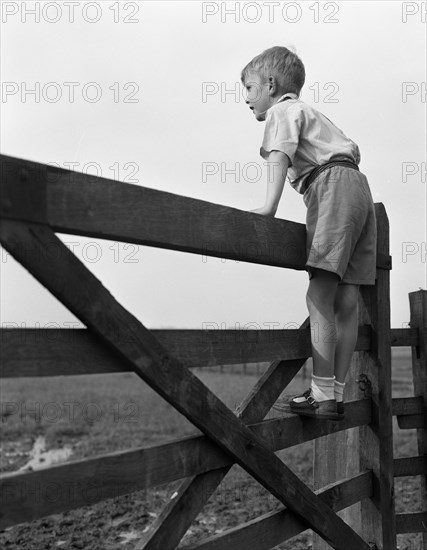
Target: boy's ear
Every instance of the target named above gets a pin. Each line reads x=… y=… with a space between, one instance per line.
x=273 y=85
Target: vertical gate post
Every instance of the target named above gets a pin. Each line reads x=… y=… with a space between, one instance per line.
x=369 y=447
x=418 y=307
x=376 y=440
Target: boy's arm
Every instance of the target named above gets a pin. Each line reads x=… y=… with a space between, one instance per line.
x=277 y=168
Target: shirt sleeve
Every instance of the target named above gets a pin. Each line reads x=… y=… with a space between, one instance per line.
x=282 y=131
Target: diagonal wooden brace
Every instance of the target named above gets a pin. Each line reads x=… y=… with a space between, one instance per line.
x=77 y=288
x=170 y=526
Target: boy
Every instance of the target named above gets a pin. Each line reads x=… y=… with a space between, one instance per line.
x=322 y=164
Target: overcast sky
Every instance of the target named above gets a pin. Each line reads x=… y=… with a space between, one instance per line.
x=157 y=102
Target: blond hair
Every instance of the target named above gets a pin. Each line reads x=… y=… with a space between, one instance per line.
x=280 y=62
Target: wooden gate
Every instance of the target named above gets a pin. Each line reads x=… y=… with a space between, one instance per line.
x=38 y=200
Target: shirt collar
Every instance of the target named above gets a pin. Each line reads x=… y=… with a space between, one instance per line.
x=289 y=95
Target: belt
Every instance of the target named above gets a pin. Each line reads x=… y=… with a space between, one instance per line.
x=316 y=171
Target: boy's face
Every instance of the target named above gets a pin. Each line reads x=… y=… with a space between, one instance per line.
x=259 y=96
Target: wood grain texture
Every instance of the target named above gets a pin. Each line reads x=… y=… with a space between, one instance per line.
x=418 y=310
x=410 y=466
x=64 y=352
x=275 y=527
x=410 y=412
x=412 y=523
x=82 y=204
x=79 y=290
x=404 y=406
x=412 y=421
x=170 y=526
x=376 y=440
x=23 y=189
x=336 y=456
x=402 y=337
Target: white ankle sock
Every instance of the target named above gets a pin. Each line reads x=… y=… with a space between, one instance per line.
x=339 y=390
x=322 y=388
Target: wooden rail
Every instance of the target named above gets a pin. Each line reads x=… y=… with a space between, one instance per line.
x=51 y=352
x=36 y=201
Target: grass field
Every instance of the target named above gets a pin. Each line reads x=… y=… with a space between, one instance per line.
x=91 y=415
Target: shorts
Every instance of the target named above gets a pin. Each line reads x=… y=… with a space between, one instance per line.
x=341 y=226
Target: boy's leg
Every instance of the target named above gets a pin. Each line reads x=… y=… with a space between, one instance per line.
x=321 y=297
x=319 y=400
x=346 y=302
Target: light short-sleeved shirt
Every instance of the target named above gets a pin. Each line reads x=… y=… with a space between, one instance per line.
x=306 y=136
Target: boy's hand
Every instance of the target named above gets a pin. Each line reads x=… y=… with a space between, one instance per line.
x=264 y=211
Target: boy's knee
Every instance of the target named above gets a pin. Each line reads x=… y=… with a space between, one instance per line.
x=347 y=299
x=322 y=287
x=318 y=299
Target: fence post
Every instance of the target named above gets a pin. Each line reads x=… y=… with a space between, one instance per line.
x=376 y=440
x=369 y=447
x=418 y=307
